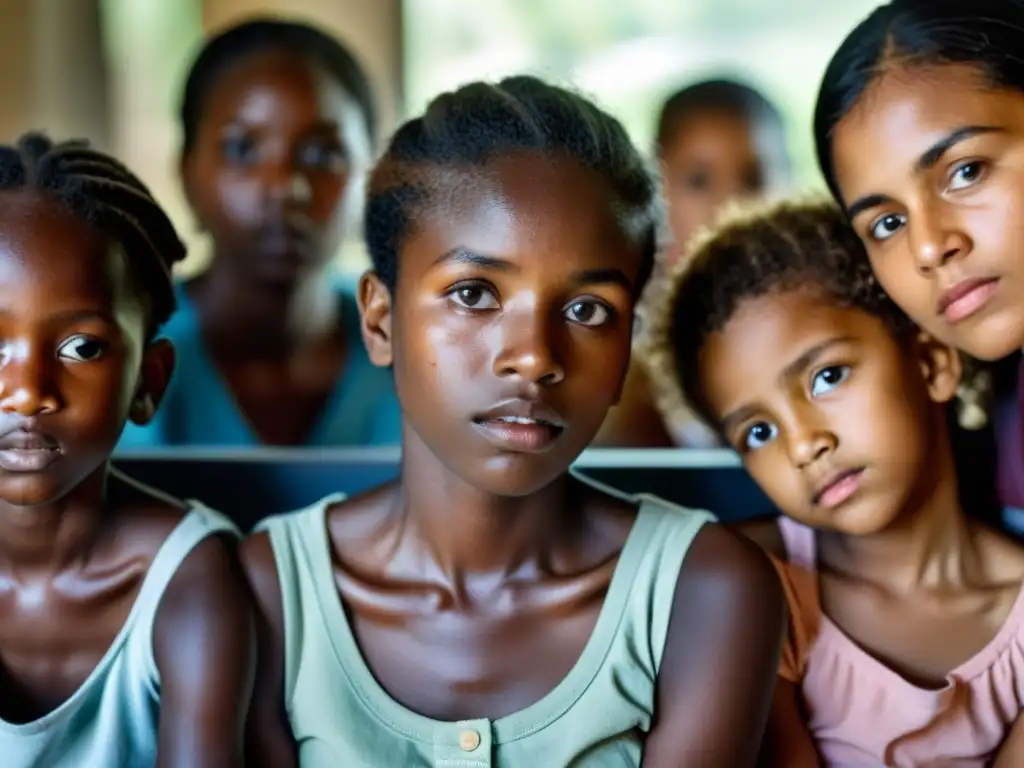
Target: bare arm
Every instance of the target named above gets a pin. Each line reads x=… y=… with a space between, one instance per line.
x=1011 y=753
x=721 y=656
x=204 y=650
x=763 y=531
x=269 y=739
x=787 y=742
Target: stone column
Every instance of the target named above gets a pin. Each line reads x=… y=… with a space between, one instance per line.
x=54 y=71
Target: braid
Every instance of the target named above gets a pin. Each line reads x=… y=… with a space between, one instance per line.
x=101 y=190
x=480 y=122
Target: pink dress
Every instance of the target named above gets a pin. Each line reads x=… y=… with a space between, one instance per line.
x=861 y=713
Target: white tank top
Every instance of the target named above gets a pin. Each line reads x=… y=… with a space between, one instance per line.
x=111 y=720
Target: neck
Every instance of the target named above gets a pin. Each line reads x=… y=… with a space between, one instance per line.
x=51 y=538
x=929 y=545
x=464 y=534
x=274 y=319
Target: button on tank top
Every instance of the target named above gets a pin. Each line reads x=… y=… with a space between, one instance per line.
x=595 y=717
x=111 y=720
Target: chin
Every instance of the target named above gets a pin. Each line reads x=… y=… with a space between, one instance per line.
x=993 y=340
x=517 y=475
x=32 y=490
x=285 y=269
x=989 y=349
x=863 y=522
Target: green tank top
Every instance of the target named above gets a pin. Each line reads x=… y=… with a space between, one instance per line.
x=597 y=716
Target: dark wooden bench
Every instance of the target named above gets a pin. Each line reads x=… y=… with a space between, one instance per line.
x=249 y=485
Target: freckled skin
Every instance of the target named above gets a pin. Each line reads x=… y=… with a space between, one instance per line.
x=76 y=540
x=273 y=178
x=474 y=583
x=928 y=226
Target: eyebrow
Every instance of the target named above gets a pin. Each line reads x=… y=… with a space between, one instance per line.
x=463 y=255
x=925 y=161
x=592 y=276
x=325 y=126
x=76 y=315
x=794 y=367
x=237 y=126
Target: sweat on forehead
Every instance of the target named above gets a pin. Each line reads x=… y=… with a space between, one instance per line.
x=472 y=127
x=523 y=178
x=44 y=242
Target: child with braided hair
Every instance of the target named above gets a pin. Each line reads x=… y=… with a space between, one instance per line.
x=124 y=625
x=907 y=617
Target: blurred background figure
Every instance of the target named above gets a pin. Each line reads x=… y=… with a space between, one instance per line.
x=717 y=141
x=277 y=120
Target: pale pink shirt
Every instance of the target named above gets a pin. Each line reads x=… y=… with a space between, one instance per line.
x=861 y=713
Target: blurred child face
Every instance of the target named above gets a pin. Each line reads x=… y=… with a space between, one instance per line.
x=270 y=174
x=835 y=419
x=510 y=326
x=711 y=159
x=930 y=166
x=72 y=336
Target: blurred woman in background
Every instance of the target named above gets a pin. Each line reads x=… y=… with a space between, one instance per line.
x=278 y=122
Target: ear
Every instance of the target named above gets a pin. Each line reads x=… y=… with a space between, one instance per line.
x=375 y=310
x=185 y=174
x=941 y=368
x=663 y=176
x=157 y=366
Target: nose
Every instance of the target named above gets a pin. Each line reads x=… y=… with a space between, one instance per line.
x=809 y=439
x=27 y=387
x=936 y=240
x=285 y=184
x=529 y=350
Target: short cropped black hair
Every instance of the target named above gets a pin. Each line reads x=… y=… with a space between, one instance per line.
x=101 y=190
x=757 y=252
x=717 y=95
x=262 y=34
x=482 y=121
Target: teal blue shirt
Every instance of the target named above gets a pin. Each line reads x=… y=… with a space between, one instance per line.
x=199 y=410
